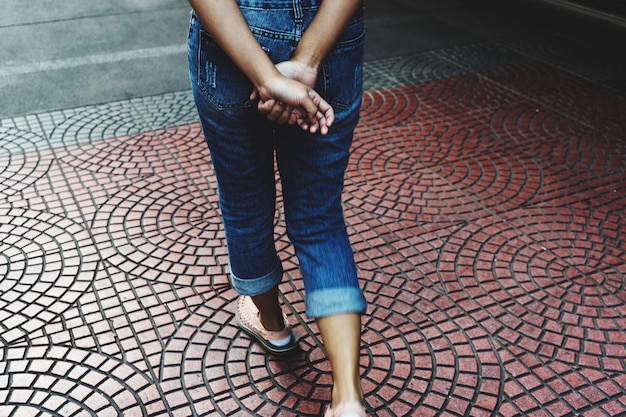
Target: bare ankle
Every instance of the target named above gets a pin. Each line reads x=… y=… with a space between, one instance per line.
x=272 y=322
x=270 y=313
x=348 y=394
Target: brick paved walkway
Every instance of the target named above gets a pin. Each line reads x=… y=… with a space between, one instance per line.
x=485 y=200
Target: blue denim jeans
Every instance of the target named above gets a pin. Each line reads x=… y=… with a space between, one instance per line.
x=243 y=145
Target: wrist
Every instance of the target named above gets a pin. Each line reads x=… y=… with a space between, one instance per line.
x=310 y=61
x=263 y=78
x=308 y=67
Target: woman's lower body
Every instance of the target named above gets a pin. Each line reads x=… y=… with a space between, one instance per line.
x=244 y=146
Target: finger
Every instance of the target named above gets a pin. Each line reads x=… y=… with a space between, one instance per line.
x=293 y=117
x=285 y=116
x=323 y=124
x=299 y=119
x=309 y=104
x=310 y=122
x=327 y=111
x=276 y=111
x=324 y=112
x=264 y=107
x=296 y=117
x=303 y=124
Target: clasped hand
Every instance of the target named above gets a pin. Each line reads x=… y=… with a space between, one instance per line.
x=289 y=98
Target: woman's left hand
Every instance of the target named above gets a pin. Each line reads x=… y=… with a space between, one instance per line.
x=285 y=112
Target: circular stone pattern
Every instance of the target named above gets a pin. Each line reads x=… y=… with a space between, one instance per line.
x=46 y=263
x=138 y=154
x=559 y=140
x=415 y=355
x=114 y=120
x=21 y=163
x=553 y=279
x=395 y=171
x=54 y=381
x=385 y=108
x=165 y=229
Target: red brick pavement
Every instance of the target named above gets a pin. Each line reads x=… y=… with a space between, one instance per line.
x=487 y=213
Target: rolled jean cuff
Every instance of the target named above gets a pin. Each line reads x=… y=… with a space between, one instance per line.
x=260 y=285
x=332 y=301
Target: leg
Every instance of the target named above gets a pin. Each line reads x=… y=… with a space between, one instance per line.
x=312 y=172
x=240 y=141
x=270 y=312
x=242 y=153
x=342 y=339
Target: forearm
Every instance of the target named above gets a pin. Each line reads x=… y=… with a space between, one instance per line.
x=324 y=31
x=224 y=21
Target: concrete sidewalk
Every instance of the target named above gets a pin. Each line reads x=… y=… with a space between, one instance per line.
x=74 y=53
x=56 y=55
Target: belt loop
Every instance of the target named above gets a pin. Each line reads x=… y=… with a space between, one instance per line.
x=298 y=16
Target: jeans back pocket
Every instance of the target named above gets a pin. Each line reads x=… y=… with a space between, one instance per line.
x=342 y=71
x=223 y=83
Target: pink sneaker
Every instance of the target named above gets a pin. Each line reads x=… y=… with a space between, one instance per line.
x=247 y=316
